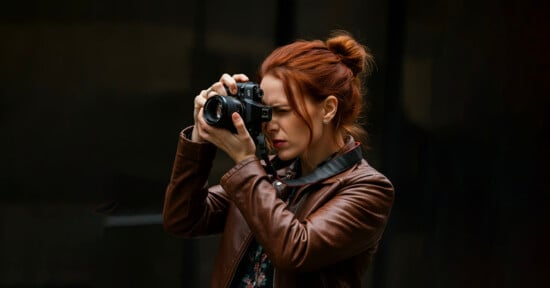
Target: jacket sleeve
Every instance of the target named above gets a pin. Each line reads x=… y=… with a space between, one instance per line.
x=350 y=222
x=191 y=208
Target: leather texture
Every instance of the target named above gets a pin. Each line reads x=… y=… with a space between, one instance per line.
x=324 y=237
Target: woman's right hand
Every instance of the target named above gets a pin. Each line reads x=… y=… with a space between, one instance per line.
x=218 y=88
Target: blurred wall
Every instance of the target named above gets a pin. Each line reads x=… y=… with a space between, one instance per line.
x=466 y=145
x=94 y=94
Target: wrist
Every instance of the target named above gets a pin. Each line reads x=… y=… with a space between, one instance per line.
x=244 y=158
x=194 y=136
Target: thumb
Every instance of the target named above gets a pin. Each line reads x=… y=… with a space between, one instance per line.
x=239 y=123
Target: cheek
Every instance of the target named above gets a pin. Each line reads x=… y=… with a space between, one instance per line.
x=297 y=127
x=299 y=136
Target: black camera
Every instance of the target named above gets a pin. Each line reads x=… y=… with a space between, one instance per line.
x=247 y=102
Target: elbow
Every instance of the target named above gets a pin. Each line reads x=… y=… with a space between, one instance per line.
x=171 y=226
x=179 y=226
x=168 y=225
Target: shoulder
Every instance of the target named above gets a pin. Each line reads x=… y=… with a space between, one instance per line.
x=364 y=169
x=365 y=175
x=366 y=187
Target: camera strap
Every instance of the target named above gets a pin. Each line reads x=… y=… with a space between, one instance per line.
x=330 y=168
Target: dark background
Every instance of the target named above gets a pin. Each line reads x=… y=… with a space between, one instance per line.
x=94 y=93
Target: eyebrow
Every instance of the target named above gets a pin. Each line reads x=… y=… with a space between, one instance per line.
x=279 y=105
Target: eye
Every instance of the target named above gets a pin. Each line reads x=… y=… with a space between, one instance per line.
x=282 y=110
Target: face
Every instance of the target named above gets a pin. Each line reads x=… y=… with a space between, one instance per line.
x=288 y=132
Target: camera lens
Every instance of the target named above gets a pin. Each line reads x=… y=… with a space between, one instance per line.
x=218 y=110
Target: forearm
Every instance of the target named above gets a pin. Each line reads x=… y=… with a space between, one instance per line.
x=186 y=194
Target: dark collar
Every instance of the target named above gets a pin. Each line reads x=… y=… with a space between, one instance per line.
x=341 y=161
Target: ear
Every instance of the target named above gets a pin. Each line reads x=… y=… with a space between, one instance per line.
x=330 y=106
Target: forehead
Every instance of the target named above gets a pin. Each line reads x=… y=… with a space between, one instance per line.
x=274 y=92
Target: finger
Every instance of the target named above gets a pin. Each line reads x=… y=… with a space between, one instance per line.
x=198 y=134
x=239 y=124
x=240 y=77
x=202 y=126
x=229 y=82
x=209 y=91
x=199 y=101
x=204 y=93
x=226 y=78
x=217 y=89
x=198 y=105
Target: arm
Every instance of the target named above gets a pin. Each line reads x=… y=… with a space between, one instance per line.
x=349 y=223
x=190 y=207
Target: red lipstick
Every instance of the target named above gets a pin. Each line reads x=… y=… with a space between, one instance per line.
x=278 y=143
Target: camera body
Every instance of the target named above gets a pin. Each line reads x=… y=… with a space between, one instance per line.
x=247 y=102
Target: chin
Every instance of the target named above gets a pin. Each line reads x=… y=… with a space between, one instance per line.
x=285 y=155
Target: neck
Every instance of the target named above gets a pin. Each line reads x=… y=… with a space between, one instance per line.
x=320 y=152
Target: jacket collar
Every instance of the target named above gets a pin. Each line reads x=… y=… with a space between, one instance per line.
x=327 y=171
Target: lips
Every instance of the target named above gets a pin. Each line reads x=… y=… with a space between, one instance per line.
x=278 y=143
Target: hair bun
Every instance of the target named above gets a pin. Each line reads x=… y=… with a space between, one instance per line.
x=352 y=54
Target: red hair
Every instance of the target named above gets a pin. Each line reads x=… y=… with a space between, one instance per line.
x=319 y=69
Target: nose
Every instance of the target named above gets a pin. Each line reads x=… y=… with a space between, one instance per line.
x=272 y=126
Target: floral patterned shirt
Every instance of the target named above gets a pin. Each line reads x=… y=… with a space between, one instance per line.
x=255 y=269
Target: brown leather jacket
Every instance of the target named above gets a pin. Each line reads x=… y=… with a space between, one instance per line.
x=325 y=237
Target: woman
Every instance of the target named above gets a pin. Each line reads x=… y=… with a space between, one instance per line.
x=319 y=234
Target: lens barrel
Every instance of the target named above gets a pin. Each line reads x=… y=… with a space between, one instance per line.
x=218 y=110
